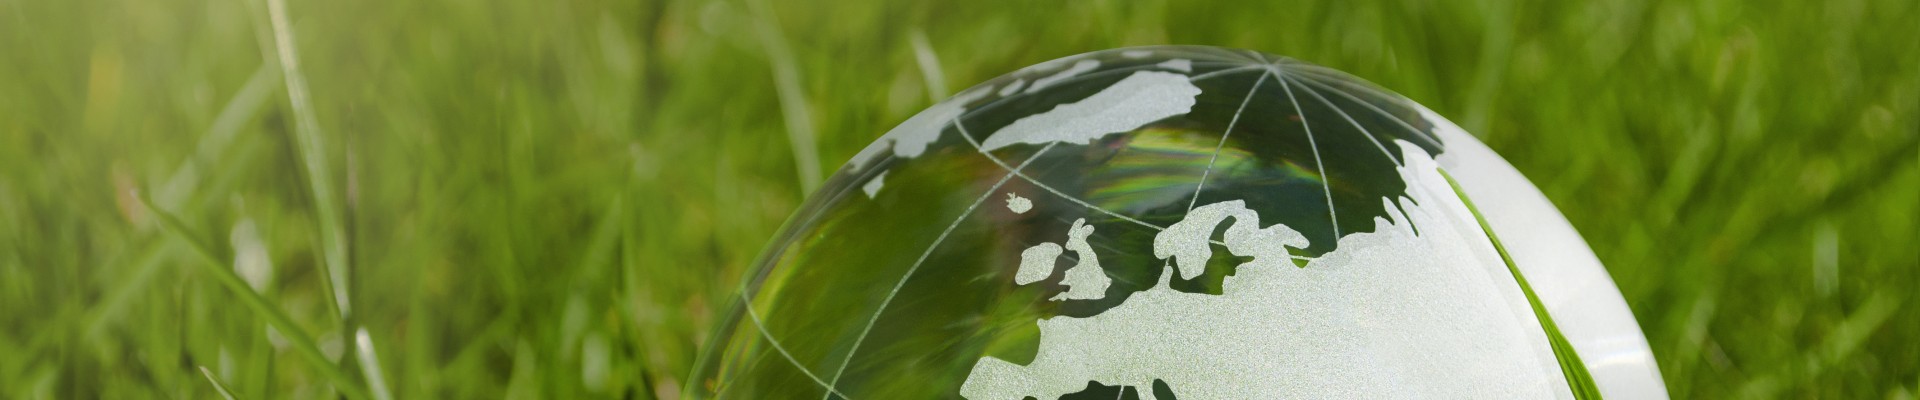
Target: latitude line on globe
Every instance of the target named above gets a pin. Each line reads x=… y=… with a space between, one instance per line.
x=1423 y=135
x=916 y=267
x=1256 y=56
x=1223 y=142
x=1321 y=168
x=1211 y=74
x=1244 y=67
x=762 y=327
x=747 y=301
x=1050 y=189
x=1036 y=182
x=1211 y=55
x=729 y=383
x=1270 y=62
x=1350 y=120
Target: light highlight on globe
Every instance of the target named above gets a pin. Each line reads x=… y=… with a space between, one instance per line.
x=1177 y=222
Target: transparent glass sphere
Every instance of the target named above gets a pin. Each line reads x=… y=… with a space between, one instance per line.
x=1177 y=222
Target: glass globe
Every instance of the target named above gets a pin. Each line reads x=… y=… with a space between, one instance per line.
x=1177 y=222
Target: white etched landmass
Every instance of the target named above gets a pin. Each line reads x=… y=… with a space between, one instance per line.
x=1177 y=64
x=1188 y=241
x=911 y=138
x=1137 y=100
x=1012 y=88
x=1086 y=280
x=1388 y=314
x=1079 y=67
x=1036 y=263
x=1017 y=204
x=874 y=184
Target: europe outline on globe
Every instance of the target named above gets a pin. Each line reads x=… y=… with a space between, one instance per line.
x=1177 y=222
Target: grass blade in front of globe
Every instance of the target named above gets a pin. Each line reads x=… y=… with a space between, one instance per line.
x=1578 y=380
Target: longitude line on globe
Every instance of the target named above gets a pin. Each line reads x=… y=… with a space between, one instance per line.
x=1258 y=57
x=1356 y=124
x=1223 y=142
x=747 y=301
x=1242 y=56
x=1424 y=135
x=916 y=268
x=1319 y=167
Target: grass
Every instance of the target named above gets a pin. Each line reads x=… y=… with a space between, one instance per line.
x=223 y=272
x=218 y=387
x=554 y=199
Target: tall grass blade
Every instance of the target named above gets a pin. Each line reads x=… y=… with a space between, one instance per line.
x=313 y=156
x=226 y=127
x=929 y=67
x=217 y=268
x=370 y=365
x=217 y=386
x=793 y=102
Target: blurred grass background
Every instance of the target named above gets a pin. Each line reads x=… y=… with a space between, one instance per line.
x=552 y=199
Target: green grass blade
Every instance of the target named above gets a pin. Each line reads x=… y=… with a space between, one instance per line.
x=222 y=272
x=222 y=134
x=929 y=67
x=793 y=102
x=217 y=386
x=313 y=153
x=1578 y=380
x=370 y=365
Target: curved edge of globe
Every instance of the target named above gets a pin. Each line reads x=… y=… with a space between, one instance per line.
x=1579 y=381
x=1570 y=278
x=705 y=363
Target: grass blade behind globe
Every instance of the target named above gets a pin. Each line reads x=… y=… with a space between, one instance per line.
x=793 y=102
x=217 y=386
x=222 y=272
x=335 y=258
x=370 y=365
x=313 y=157
x=1578 y=380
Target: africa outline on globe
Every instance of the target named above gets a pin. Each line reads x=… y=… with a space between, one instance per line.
x=1177 y=221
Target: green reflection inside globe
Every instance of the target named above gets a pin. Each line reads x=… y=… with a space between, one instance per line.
x=1177 y=222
